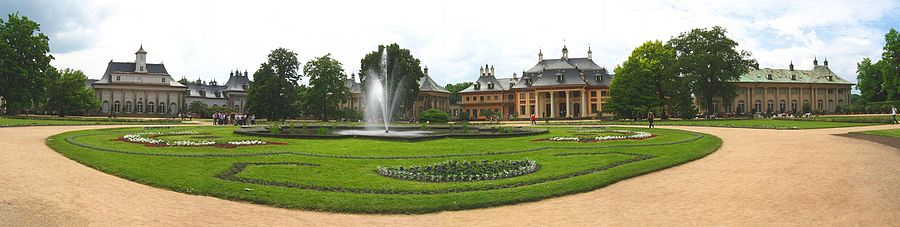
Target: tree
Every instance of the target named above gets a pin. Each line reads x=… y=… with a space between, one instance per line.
x=326 y=88
x=871 y=78
x=647 y=81
x=198 y=107
x=68 y=93
x=707 y=58
x=402 y=75
x=24 y=63
x=891 y=68
x=273 y=91
x=454 y=89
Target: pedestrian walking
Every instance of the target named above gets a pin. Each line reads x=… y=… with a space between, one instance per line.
x=894 y=115
x=650 y=119
x=533 y=119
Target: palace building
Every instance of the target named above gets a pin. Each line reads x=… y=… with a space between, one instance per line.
x=555 y=88
x=431 y=95
x=143 y=89
x=788 y=91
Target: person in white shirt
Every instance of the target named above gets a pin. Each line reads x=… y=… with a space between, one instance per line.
x=894 y=115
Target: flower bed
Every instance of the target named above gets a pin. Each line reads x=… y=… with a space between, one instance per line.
x=150 y=139
x=456 y=171
x=626 y=134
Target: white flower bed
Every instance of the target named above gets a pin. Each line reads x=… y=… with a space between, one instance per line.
x=626 y=135
x=247 y=142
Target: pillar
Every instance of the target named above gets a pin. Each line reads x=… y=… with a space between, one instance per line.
x=584 y=104
x=538 y=110
x=552 y=105
x=568 y=104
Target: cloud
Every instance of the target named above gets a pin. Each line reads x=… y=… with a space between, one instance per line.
x=208 y=38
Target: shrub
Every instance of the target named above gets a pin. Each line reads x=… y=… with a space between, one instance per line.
x=434 y=115
x=453 y=170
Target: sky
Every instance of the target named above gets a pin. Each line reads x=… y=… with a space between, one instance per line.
x=453 y=38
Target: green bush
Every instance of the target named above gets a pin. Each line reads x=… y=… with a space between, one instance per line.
x=434 y=116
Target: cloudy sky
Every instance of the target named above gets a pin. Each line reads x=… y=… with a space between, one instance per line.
x=208 y=39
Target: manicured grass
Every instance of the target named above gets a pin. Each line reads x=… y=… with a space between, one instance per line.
x=877 y=119
x=340 y=175
x=67 y=121
x=765 y=123
x=895 y=133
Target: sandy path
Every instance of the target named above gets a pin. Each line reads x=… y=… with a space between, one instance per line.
x=758 y=177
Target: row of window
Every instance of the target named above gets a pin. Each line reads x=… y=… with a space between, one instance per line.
x=806 y=91
x=531 y=96
x=782 y=106
x=119 y=78
x=139 y=108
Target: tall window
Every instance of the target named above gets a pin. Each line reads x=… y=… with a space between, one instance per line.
x=820 y=105
x=117 y=107
x=740 y=106
x=782 y=106
x=757 y=107
x=128 y=106
x=150 y=107
x=770 y=106
x=162 y=108
x=140 y=107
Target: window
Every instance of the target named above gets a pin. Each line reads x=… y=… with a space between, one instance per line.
x=831 y=91
x=467 y=98
x=782 y=90
x=770 y=106
x=489 y=98
x=162 y=108
x=118 y=78
x=142 y=69
x=522 y=109
x=771 y=90
x=604 y=93
x=510 y=97
x=794 y=106
x=128 y=106
x=740 y=106
x=237 y=107
x=117 y=107
x=795 y=91
x=163 y=79
x=140 y=107
x=150 y=107
x=495 y=98
x=593 y=107
x=757 y=107
x=105 y=107
x=521 y=95
x=782 y=106
x=820 y=104
x=531 y=95
x=840 y=91
x=758 y=90
x=576 y=94
x=593 y=93
x=481 y=97
x=807 y=91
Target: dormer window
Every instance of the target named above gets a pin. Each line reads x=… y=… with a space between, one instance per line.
x=769 y=77
x=142 y=68
x=559 y=77
x=246 y=87
x=490 y=85
x=477 y=86
x=118 y=78
x=512 y=84
x=598 y=78
x=830 y=78
x=163 y=79
x=793 y=77
x=203 y=93
x=528 y=81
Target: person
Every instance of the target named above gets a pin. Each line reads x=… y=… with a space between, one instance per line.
x=650 y=118
x=533 y=119
x=894 y=115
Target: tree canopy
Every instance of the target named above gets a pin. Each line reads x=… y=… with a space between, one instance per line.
x=454 y=89
x=880 y=81
x=709 y=60
x=273 y=92
x=326 y=88
x=24 y=63
x=68 y=93
x=403 y=75
x=648 y=81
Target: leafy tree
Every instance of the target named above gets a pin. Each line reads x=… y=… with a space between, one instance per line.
x=707 y=58
x=647 y=81
x=871 y=78
x=198 y=107
x=183 y=81
x=403 y=75
x=273 y=92
x=891 y=68
x=326 y=86
x=434 y=115
x=454 y=89
x=68 y=93
x=24 y=62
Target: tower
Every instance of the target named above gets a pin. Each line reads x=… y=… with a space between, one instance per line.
x=826 y=62
x=565 y=53
x=791 y=66
x=815 y=61
x=140 y=60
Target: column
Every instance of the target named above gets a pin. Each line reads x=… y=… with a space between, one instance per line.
x=552 y=105
x=537 y=104
x=584 y=104
x=568 y=104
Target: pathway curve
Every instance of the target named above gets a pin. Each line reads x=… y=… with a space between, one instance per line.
x=758 y=177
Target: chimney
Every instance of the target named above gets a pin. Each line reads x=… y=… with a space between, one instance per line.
x=481 y=71
x=492 y=70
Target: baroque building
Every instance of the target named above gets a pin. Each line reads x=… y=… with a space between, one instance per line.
x=789 y=91
x=431 y=95
x=233 y=94
x=139 y=88
x=555 y=88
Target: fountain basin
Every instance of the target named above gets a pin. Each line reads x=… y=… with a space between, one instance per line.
x=409 y=134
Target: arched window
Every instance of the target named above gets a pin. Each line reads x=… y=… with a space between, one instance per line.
x=173 y=108
x=117 y=107
x=757 y=107
x=128 y=106
x=840 y=102
x=782 y=106
x=770 y=106
x=150 y=107
x=831 y=105
x=105 y=107
x=794 y=106
x=820 y=105
x=140 y=107
x=806 y=107
x=162 y=108
x=740 y=106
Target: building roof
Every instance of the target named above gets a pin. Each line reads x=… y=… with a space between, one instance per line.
x=484 y=83
x=427 y=84
x=818 y=75
x=129 y=67
x=236 y=83
x=209 y=90
x=355 y=87
x=564 y=64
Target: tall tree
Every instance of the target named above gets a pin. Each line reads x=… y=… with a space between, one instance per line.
x=870 y=80
x=403 y=75
x=891 y=60
x=273 y=91
x=68 y=93
x=644 y=82
x=326 y=86
x=24 y=62
x=710 y=62
x=454 y=89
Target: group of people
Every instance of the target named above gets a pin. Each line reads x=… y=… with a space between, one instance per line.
x=233 y=119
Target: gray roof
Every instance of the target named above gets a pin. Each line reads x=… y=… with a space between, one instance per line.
x=484 y=82
x=818 y=75
x=129 y=67
x=557 y=64
x=210 y=90
x=427 y=84
x=355 y=87
x=236 y=83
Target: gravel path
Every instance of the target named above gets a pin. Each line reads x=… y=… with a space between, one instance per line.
x=758 y=177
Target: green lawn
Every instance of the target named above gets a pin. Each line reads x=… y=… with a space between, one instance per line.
x=67 y=121
x=895 y=133
x=340 y=175
x=730 y=123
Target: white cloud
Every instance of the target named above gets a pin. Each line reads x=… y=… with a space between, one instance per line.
x=453 y=38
